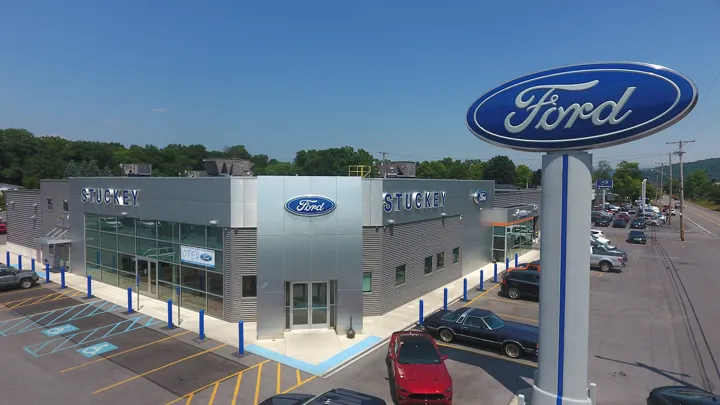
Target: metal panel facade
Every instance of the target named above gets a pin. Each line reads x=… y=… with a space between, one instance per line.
x=372 y=256
x=56 y=191
x=294 y=248
x=241 y=260
x=506 y=199
x=24 y=217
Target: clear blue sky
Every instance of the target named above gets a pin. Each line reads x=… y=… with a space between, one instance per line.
x=278 y=76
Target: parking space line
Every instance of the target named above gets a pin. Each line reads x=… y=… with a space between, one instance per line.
x=518 y=317
x=299 y=378
x=26 y=317
x=487 y=354
x=257 y=384
x=513 y=302
x=299 y=384
x=19 y=292
x=23 y=304
x=105 y=307
x=125 y=351
x=277 y=383
x=135 y=377
x=203 y=388
x=212 y=395
x=481 y=294
x=237 y=389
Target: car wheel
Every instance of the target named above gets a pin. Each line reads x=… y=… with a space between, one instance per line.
x=26 y=283
x=446 y=335
x=605 y=267
x=514 y=293
x=512 y=350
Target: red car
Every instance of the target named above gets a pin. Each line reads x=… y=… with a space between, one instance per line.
x=417 y=370
x=3 y=228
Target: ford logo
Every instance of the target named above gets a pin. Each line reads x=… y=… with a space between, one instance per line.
x=480 y=197
x=582 y=107
x=310 y=205
x=205 y=257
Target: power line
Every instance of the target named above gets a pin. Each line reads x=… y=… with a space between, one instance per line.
x=680 y=152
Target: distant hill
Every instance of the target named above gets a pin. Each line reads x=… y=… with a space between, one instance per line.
x=710 y=166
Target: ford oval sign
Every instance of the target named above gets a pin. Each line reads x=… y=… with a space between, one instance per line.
x=480 y=197
x=582 y=107
x=205 y=257
x=310 y=205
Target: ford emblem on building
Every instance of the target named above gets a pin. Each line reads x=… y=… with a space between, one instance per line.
x=480 y=197
x=205 y=257
x=310 y=205
x=582 y=107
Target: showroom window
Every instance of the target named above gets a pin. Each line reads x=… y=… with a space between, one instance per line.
x=367 y=282
x=399 y=275
x=249 y=286
x=428 y=265
x=440 y=259
x=456 y=255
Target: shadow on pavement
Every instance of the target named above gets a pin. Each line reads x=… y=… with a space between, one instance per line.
x=670 y=375
x=507 y=373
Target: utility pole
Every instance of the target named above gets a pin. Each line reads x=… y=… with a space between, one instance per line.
x=680 y=152
x=383 y=165
x=670 y=187
x=662 y=179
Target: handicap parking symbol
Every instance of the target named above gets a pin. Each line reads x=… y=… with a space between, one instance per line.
x=97 y=349
x=59 y=330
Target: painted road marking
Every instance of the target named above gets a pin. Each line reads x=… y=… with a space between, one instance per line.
x=487 y=354
x=701 y=227
x=96 y=350
x=92 y=335
x=59 y=330
x=39 y=300
x=56 y=316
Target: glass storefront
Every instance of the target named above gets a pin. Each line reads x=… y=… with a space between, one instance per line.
x=511 y=239
x=120 y=249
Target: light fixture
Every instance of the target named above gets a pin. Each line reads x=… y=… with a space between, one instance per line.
x=212 y=222
x=32 y=217
x=123 y=214
x=443 y=214
x=461 y=216
x=35 y=205
x=391 y=221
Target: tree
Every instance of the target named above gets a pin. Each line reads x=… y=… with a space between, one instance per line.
x=523 y=176
x=603 y=171
x=476 y=170
x=536 y=180
x=501 y=169
x=432 y=170
x=281 y=169
x=106 y=172
x=697 y=185
x=71 y=170
x=627 y=180
x=83 y=169
x=92 y=169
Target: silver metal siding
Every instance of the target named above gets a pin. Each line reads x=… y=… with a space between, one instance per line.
x=240 y=256
x=409 y=244
x=21 y=205
x=506 y=199
x=372 y=263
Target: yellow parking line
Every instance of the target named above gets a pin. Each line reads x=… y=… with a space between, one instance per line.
x=124 y=352
x=23 y=305
x=237 y=386
x=481 y=294
x=237 y=389
x=518 y=317
x=513 y=302
x=20 y=301
x=5 y=294
x=189 y=399
x=257 y=384
x=212 y=396
x=487 y=354
x=299 y=384
x=277 y=385
x=135 y=377
x=297 y=374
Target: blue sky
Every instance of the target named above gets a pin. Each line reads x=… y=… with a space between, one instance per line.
x=278 y=76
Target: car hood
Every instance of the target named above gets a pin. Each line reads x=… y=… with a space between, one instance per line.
x=424 y=378
x=521 y=330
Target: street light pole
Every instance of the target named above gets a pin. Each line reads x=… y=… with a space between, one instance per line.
x=680 y=152
x=662 y=183
x=670 y=187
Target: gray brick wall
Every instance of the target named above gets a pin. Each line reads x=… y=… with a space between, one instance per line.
x=240 y=256
x=21 y=206
x=372 y=262
x=409 y=244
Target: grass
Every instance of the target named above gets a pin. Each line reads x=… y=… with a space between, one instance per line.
x=707 y=204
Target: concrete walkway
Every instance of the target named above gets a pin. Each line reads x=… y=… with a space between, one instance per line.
x=315 y=352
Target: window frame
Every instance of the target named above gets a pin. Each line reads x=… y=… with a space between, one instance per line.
x=402 y=268
x=440 y=261
x=456 y=255
x=49 y=203
x=242 y=288
x=428 y=270
x=367 y=273
x=65 y=206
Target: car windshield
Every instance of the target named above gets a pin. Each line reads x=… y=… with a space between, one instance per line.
x=417 y=350
x=494 y=322
x=637 y=234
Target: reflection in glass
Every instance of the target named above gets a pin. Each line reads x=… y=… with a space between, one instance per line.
x=93 y=270
x=109 y=259
x=146 y=228
x=192 y=234
x=168 y=231
x=108 y=240
x=92 y=238
x=109 y=276
x=109 y=224
x=147 y=248
x=215 y=306
x=193 y=299
x=319 y=303
x=127 y=263
x=126 y=244
x=126 y=280
x=91 y=221
x=127 y=226
x=214 y=237
x=168 y=252
x=300 y=304
x=214 y=283
x=168 y=272
x=92 y=255
x=166 y=291
x=192 y=278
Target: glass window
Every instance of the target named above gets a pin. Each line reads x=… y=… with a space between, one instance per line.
x=249 y=286
x=192 y=234
x=499 y=230
x=92 y=255
x=214 y=237
x=218 y=261
x=168 y=252
x=440 y=260
x=168 y=231
x=110 y=224
x=49 y=204
x=166 y=291
x=109 y=259
x=91 y=221
x=126 y=244
x=215 y=306
x=215 y=283
x=367 y=282
x=146 y=247
x=452 y=316
x=92 y=238
x=193 y=299
x=127 y=226
x=109 y=276
x=428 y=265
x=146 y=228
x=456 y=255
x=499 y=242
x=127 y=263
x=168 y=272
x=494 y=322
x=93 y=270
x=126 y=280
x=193 y=278
x=108 y=240
x=400 y=275
x=475 y=321
x=65 y=206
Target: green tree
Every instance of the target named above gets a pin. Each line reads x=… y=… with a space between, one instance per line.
x=536 y=178
x=431 y=170
x=523 y=176
x=106 y=172
x=602 y=171
x=697 y=185
x=627 y=180
x=476 y=170
x=281 y=169
x=92 y=169
x=71 y=170
x=501 y=169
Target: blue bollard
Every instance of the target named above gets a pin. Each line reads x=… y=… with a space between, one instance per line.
x=465 y=289
x=420 y=315
x=32 y=264
x=241 y=338
x=130 y=310
x=7 y=258
x=482 y=281
x=445 y=299
x=19 y=262
x=170 y=321
x=62 y=277
x=516 y=259
x=495 y=272
x=47 y=273
x=202 y=324
x=507 y=263
x=89 y=288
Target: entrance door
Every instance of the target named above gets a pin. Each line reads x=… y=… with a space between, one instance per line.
x=309 y=306
x=147 y=271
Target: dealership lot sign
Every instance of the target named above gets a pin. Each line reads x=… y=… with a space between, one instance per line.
x=109 y=196
x=418 y=200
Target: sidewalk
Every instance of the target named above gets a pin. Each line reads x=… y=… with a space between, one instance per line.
x=315 y=352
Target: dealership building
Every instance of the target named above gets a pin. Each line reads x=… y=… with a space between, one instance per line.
x=287 y=252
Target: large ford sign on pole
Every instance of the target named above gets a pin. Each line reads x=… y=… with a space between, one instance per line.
x=564 y=112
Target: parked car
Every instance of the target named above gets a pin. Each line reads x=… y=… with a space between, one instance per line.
x=597 y=233
x=483 y=327
x=533 y=266
x=638 y=223
x=603 y=221
x=681 y=395
x=604 y=241
x=619 y=223
x=525 y=284
x=14 y=278
x=3 y=228
x=637 y=237
x=611 y=249
x=606 y=260
x=624 y=216
x=335 y=396
x=417 y=369
x=654 y=221
x=672 y=212
x=632 y=212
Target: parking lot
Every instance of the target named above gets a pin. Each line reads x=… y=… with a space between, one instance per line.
x=60 y=346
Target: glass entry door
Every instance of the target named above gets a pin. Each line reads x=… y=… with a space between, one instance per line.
x=309 y=305
x=147 y=271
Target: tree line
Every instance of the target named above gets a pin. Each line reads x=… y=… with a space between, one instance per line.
x=25 y=159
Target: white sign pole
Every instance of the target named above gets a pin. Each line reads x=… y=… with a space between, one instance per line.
x=565 y=287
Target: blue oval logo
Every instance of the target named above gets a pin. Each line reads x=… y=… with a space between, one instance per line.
x=310 y=205
x=205 y=257
x=480 y=197
x=582 y=107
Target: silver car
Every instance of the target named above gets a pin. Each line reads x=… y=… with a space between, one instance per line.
x=605 y=260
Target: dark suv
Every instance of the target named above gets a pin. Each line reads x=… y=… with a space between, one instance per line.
x=14 y=278
x=516 y=284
